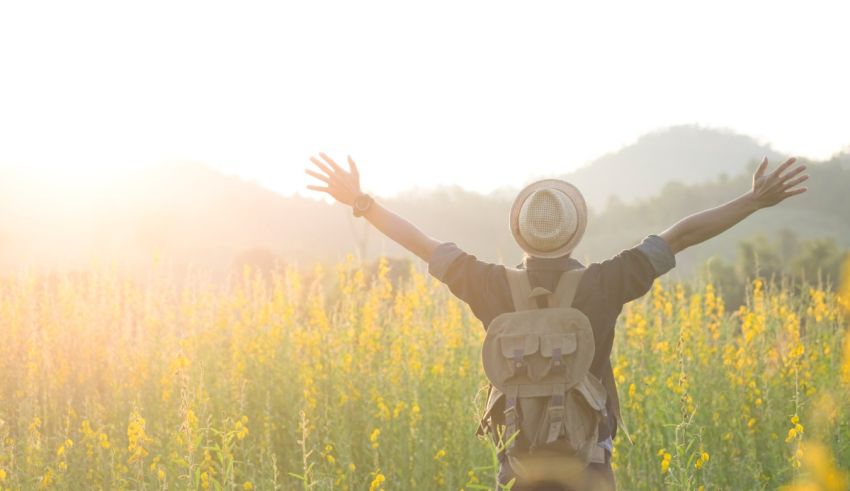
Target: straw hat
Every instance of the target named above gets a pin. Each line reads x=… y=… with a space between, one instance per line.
x=548 y=218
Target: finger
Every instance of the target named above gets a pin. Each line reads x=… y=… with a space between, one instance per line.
x=318 y=176
x=322 y=166
x=779 y=170
x=331 y=177
x=353 y=166
x=762 y=167
x=319 y=188
x=794 y=192
x=790 y=184
x=330 y=161
x=793 y=172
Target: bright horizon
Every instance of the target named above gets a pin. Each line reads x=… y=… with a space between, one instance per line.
x=478 y=94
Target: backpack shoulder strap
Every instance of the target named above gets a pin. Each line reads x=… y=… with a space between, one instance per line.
x=520 y=289
x=566 y=290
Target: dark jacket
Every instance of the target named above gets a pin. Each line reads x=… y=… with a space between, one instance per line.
x=605 y=287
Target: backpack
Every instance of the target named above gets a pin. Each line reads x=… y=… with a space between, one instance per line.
x=537 y=360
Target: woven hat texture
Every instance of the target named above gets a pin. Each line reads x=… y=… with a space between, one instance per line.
x=548 y=218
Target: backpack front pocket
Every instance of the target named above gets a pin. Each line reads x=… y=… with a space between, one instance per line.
x=515 y=348
x=557 y=348
x=581 y=422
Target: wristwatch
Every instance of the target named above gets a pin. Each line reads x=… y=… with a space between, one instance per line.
x=362 y=204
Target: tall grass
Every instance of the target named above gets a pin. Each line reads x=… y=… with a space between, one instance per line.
x=347 y=381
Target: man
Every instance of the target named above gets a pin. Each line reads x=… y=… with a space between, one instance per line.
x=547 y=220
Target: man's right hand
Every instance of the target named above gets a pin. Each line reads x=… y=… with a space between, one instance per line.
x=772 y=188
x=343 y=186
x=768 y=189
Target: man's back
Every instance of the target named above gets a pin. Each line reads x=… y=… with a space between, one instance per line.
x=603 y=290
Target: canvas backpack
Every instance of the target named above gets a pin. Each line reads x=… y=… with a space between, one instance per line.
x=537 y=360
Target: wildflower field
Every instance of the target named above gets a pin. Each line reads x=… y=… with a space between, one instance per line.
x=343 y=380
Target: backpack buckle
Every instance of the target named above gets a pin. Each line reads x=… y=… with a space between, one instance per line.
x=519 y=367
x=518 y=356
x=555 y=414
x=558 y=366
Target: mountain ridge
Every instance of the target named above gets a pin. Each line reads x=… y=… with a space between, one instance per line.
x=194 y=215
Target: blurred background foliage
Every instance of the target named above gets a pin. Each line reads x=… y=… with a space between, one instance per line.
x=190 y=216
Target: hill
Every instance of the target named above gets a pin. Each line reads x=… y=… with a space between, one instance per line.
x=189 y=215
x=687 y=154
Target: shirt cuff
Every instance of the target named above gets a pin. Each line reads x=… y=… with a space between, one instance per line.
x=659 y=254
x=443 y=257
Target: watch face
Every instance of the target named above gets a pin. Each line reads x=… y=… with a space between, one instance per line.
x=362 y=202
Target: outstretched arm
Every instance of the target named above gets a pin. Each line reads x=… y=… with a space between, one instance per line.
x=768 y=190
x=344 y=186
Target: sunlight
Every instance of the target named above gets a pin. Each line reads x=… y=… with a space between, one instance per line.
x=480 y=114
x=60 y=186
x=566 y=223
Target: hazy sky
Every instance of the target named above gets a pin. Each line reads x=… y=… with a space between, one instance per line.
x=480 y=94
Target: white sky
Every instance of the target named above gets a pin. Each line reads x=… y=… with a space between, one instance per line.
x=480 y=94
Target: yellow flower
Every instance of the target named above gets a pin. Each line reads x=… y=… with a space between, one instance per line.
x=377 y=481
x=440 y=454
x=665 y=460
x=792 y=433
x=844 y=291
x=701 y=460
x=247 y=486
x=845 y=365
x=240 y=429
x=399 y=407
x=47 y=479
x=822 y=475
x=136 y=438
x=796 y=429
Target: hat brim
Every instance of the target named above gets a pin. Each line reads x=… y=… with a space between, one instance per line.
x=581 y=216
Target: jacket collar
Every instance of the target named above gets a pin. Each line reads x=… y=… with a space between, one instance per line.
x=563 y=263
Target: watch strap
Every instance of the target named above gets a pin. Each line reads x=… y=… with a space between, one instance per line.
x=359 y=209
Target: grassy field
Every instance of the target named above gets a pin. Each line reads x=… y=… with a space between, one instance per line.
x=346 y=381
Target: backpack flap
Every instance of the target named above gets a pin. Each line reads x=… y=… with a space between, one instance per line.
x=558 y=344
x=556 y=347
x=515 y=348
x=522 y=348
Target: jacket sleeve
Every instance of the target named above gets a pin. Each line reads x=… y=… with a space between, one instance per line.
x=630 y=274
x=473 y=281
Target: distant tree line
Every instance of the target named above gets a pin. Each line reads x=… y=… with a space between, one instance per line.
x=785 y=257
